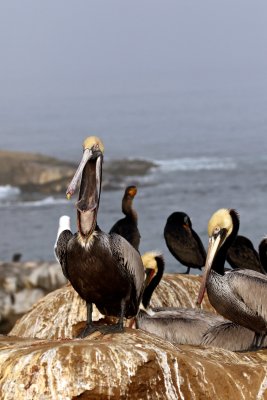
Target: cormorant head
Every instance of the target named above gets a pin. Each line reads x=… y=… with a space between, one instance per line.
x=179 y=219
x=131 y=191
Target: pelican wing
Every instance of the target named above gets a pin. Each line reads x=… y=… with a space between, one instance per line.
x=188 y=314
x=251 y=288
x=228 y=336
x=179 y=326
x=131 y=259
x=61 y=250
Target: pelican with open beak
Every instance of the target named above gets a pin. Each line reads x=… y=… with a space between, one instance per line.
x=104 y=269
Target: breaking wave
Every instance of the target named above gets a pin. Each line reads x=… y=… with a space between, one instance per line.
x=9 y=193
x=196 y=164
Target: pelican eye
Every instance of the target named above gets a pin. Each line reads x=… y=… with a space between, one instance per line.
x=216 y=230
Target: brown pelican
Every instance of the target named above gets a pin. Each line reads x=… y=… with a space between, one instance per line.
x=127 y=226
x=238 y=295
x=104 y=269
x=242 y=254
x=187 y=326
x=177 y=325
x=183 y=242
x=154 y=265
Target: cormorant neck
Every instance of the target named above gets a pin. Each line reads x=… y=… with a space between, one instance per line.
x=127 y=208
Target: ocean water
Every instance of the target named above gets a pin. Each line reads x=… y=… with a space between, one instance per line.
x=208 y=144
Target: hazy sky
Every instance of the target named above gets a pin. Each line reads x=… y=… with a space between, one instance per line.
x=49 y=45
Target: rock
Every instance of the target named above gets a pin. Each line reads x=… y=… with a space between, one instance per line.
x=50 y=176
x=35 y=172
x=62 y=313
x=22 y=284
x=39 y=359
x=132 y=365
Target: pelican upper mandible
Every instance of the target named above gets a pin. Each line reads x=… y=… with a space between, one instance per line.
x=238 y=295
x=104 y=269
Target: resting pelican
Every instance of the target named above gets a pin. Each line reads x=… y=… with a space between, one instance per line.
x=238 y=295
x=177 y=325
x=187 y=326
x=183 y=242
x=242 y=254
x=105 y=270
x=127 y=226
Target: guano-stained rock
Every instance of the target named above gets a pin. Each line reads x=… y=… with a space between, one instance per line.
x=132 y=365
x=61 y=314
x=40 y=362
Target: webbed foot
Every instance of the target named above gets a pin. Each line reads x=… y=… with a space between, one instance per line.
x=105 y=329
x=87 y=331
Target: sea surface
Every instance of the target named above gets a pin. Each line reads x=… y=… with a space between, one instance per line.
x=208 y=144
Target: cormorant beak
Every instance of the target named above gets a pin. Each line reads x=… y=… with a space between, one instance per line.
x=89 y=173
x=215 y=242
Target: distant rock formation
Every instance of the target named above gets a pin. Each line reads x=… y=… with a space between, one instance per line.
x=47 y=175
x=35 y=172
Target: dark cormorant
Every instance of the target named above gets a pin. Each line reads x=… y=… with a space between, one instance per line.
x=183 y=242
x=242 y=254
x=263 y=254
x=127 y=226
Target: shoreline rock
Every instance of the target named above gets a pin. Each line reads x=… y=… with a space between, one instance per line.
x=41 y=359
x=22 y=284
x=37 y=173
x=132 y=365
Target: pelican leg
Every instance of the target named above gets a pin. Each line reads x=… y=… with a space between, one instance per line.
x=186 y=272
x=116 y=328
x=89 y=327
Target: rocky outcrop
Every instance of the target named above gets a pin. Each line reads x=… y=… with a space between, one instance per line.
x=132 y=365
x=40 y=359
x=22 y=284
x=35 y=172
x=47 y=175
x=62 y=313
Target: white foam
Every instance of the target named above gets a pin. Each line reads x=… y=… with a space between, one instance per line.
x=196 y=164
x=9 y=192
